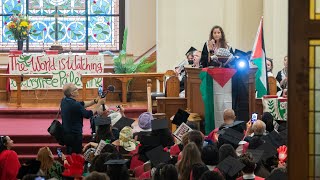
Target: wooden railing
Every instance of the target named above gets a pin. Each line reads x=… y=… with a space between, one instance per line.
x=124 y=78
x=18 y=78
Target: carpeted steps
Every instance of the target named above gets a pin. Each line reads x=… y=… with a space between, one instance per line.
x=27 y=146
x=28 y=129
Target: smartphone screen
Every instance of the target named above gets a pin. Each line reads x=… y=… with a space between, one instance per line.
x=59 y=152
x=254 y=117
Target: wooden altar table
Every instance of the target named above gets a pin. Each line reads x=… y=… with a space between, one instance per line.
x=124 y=78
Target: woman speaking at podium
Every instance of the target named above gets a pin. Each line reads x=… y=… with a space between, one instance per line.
x=216 y=46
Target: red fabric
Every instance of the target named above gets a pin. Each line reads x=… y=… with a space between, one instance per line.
x=92 y=52
x=257 y=49
x=212 y=134
x=282 y=151
x=221 y=75
x=15 y=52
x=270 y=96
x=135 y=162
x=138 y=171
x=256 y=178
x=175 y=150
x=245 y=147
x=145 y=175
x=74 y=167
x=52 y=52
x=9 y=165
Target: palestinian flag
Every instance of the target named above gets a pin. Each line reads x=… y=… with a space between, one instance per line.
x=258 y=57
x=216 y=91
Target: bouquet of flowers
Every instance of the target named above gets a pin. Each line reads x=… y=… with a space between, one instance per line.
x=19 y=26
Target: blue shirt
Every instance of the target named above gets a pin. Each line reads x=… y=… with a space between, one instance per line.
x=72 y=114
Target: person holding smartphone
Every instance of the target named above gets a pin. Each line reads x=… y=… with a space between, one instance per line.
x=72 y=114
x=49 y=167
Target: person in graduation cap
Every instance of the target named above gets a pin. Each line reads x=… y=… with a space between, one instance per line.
x=117 y=169
x=189 y=60
x=9 y=162
x=217 y=40
x=248 y=170
x=196 y=59
x=180 y=72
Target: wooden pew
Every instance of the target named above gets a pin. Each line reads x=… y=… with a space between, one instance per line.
x=18 y=78
x=124 y=78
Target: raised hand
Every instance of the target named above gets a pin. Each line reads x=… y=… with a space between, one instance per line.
x=282 y=151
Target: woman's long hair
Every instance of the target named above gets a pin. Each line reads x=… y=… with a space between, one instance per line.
x=222 y=41
x=46 y=158
x=190 y=156
x=104 y=132
x=3 y=142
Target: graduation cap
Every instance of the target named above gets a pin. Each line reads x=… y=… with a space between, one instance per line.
x=149 y=140
x=274 y=138
x=230 y=166
x=269 y=150
x=284 y=136
x=256 y=154
x=282 y=125
x=239 y=126
x=229 y=135
x=123 y=122
x=158 y=155
x=277 y=174
x=190 y=50
x=159 y=124
x=180 y=117
x=116 y=162
x=30 y=167
x=99 y=120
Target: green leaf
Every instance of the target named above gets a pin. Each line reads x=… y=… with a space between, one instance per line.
x=51 y=33
x=98 y=12
x=105 y=32
x=124 y=43
x=36 y=34
x=99 y=26
x=15 y=11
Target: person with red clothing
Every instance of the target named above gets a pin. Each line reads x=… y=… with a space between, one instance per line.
x=248 y=170
x=9 y=162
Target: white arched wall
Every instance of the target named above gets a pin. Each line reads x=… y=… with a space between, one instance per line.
x=181 y=24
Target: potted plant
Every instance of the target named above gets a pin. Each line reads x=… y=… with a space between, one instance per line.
x=126 y=65
x=20 y=28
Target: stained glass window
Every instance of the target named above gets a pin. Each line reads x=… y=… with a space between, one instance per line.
x=81 y=24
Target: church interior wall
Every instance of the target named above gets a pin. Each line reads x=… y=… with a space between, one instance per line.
x=181 y=24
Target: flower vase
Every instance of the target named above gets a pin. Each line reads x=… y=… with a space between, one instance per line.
x=20 y=44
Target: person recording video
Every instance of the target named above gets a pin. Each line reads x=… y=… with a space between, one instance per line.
x=72 y=114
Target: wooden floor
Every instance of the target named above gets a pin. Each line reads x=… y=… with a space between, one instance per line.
x=112 y=104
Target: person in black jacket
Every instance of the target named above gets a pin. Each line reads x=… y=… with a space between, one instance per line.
x=72 y=114
x=216 y=40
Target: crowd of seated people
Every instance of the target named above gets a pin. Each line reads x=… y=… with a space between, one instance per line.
x=122 y=148
x=249 y=150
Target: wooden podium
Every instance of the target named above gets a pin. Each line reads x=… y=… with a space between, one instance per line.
x=193 y=94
